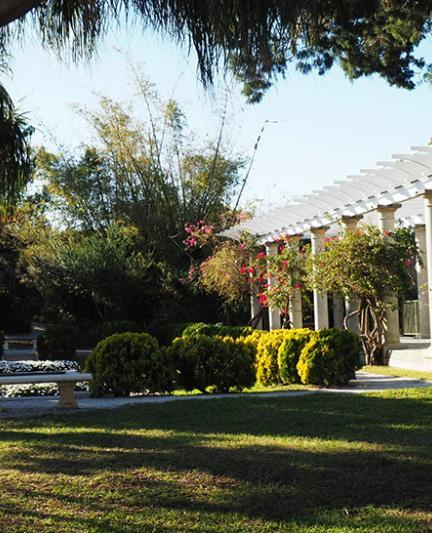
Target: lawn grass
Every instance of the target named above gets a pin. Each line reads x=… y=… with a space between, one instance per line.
x=257 y=388
x=314 y=463
x=398 y=372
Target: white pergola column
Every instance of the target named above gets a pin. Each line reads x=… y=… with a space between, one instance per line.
x=351 y=304
x=387 y=222
x=422 y=283
x=274 y=312
x=295 y=309
x=428 y=249
x=319 y=299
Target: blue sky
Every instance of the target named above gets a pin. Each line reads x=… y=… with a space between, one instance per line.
x=328 y=127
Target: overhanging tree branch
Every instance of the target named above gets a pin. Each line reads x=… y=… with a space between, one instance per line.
x=11 y=10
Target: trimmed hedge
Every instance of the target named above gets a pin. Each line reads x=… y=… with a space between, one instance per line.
x=221 y=362
x=289 y=354
x=59 y=341
x=211 y=330
x=267 y=369
x=331 y=357
x=129 y=362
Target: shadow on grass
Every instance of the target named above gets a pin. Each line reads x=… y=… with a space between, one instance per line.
x=271 y=459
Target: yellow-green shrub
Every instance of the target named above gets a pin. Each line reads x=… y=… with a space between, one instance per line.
x=329 y=358
x=267 y=369
x=289 y=354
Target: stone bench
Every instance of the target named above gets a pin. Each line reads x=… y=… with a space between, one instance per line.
x=66 y=382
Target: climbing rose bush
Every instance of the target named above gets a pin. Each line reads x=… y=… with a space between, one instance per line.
x=198 y=234
x=276 y=277
x=368 y=265
x=224 y=272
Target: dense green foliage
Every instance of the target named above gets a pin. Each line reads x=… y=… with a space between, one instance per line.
x=369 y=266
x=16 y=164
x=126 y=203
x=129 y=362
x=145 y=173
x=106 y=329
x=289 y=354
x=21 y=229
x=331 y=357
x=325 y=357
x=221 y=330
x=267 y=368
x=258 y=42
x=59 y=341
x=220 y=362
x=100 y=277
x=166 y=333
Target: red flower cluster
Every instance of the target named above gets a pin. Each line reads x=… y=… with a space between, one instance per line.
x=263 y=300
x=198 y=234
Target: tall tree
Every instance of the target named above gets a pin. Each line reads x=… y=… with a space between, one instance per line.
x=258 y=39
x=154 y=174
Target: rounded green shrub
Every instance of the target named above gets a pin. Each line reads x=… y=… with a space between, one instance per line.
x=267 y=369
x=331 y=357
x=221 y=362
x=59 y=341
x=129 y=362
x=289 y=354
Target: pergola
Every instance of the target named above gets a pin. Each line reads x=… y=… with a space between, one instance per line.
x=395 y=191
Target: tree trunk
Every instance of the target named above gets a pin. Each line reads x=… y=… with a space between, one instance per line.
x=11 y=10
x=371 y=327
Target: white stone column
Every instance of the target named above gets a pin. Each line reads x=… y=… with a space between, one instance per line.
x=274 y=312
x=422 y=283
x=319 y=299
x=351 y=304
x=428 y=235
x=295 y=309
x=387 y=222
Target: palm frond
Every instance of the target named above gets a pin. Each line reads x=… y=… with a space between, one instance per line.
x=15 y=157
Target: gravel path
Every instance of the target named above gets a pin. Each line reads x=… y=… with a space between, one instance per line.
x=365 y=382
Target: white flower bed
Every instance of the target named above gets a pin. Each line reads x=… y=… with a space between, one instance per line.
x=15 y=367
x=35 y=389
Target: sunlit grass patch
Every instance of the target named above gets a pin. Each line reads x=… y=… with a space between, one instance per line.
x=311 y=463
x=398 y=372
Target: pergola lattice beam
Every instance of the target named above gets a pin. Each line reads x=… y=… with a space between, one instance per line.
x=405 y=177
